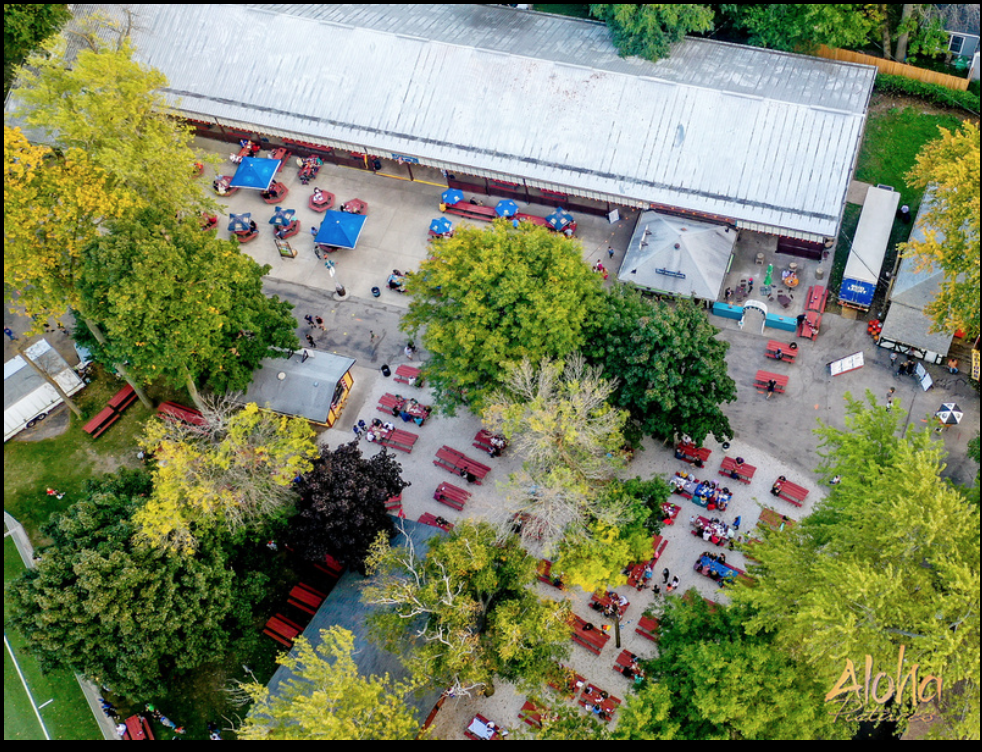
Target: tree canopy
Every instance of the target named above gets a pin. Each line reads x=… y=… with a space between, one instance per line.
x=328 y=700
x=467 y=610
x=178 y=303
x=341 y=510
x=889 y=560
x=491 y=297
x=119 y=613
x=949 y=168
x=802 y=27
x=669 y=365
x=649 y=29
x=25 y=26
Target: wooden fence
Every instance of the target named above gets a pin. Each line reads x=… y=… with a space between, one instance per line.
x=894 y=68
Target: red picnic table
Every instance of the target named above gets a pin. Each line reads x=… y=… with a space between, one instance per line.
x=790 y=492
x=221 y=186
x=636 y=578
x=434 y=521
x=306 y=598
x=530 y=714
x=570 y=683
x=627 y=665
x=449 y=494
x=138 y=729
x=330 y=566
x=394 y=506
x=544 y=571
x=355 y=206
x=587 y=635
x=471 y=211
x=244 y=236
x=692 y=454
x=177 y=413
x=283 y=630
x=671 y=511
x=408 y=375
x=763 y=379
x=599 y=702
x=321 y=202
x=717 y=532
x=404 y=441
x=482 y=730
x=782 y=351
x=607 y=602
x=648 y=628
x=491 y=443
x=275 y=194
x=281 y=153
x=407 y=409
x=810 y=322
x=460 y=464
x=740 y=471
x=284 y=233
x=774 y=520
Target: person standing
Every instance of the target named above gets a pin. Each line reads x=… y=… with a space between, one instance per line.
x=665 y=575
x=771 y=386
x=310 y=320
x=310 y=341
x=893 y=391
x=610 y=252
x=320 y=323
x=10 y=334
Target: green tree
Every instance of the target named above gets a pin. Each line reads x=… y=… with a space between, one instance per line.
x=712 y=680
x=561 y=723
x=669 y=365
x=25 y=26
x=802 y=27
x=949 y=167
x=120 y=614
x=179 y=304
x=235 y=473
x=491 y=297
x=107 y=104
x=469 y=611
x=890 y=560
x=328 y=700
x=649 y=29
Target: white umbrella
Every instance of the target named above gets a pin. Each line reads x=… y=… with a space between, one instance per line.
x=949 y=414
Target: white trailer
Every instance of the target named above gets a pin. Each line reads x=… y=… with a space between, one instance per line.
x=27 y=397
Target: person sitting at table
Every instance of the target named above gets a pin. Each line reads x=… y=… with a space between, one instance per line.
x=253 y=227
x=318 y=196
x=778 y=484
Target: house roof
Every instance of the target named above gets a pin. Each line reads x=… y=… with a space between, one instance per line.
x=345 y=608
x=299 y=386
x=762 y=137
x=678 y=256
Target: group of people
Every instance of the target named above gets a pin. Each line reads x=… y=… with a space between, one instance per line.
x=614 y=606
x=375 y=432
x=633 y=670
x=709 y=494
x=710 y=565
x=309 y=168
x=397 y=281
x=713 y=531
x=411 y=410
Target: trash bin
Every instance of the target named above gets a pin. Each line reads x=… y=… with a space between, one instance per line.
x=376 y=292
x=386 y=371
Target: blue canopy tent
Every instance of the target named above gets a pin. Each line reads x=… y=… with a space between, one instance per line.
x=340 y=229
x=256 y=173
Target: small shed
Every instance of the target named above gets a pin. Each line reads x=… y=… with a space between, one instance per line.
x=677 y=256
x=310 y=384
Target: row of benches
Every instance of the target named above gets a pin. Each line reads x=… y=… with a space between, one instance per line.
x=111 y=412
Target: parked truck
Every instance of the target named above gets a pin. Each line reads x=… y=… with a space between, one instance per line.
x=27 y=397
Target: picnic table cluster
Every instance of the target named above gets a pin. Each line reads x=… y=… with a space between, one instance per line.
x=305 y=600
x=714 y=567
x=810 y=322
x=112 y=412
x=708 y=494
x=790 y=492
x=406 y=408
x=575 y=688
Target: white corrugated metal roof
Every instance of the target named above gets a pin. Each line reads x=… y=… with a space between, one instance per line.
x=745 y=133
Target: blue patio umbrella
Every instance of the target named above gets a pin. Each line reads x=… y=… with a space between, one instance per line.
x=441 y=226
x=559 y=219
x=506 y=208
x=340 y=229
x=452 y=196
x=239 y=222
x=282 y=217
x=256 y=173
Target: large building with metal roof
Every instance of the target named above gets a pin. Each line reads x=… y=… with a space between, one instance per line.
x=534 y=104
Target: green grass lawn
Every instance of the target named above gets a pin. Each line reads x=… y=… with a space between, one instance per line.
x=64 y=463
x=62 y=705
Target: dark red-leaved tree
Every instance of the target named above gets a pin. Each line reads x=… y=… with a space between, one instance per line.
x=342 y=505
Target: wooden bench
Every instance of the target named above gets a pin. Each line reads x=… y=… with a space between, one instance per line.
x=781 y=351
x=763 y=378
x=394 y=505
x=177 y=413
x=545 y=575
x=472 y=211
x=101 y=422
x=408 y=375
x=306 y=598
x=123 y=399
x=774 y=520
x=648 y=628
x=626 y=661
x=593 y=640
x=743 y=473
x=283 y=630
x=530 y=714
x=692 y=454
x=391 y=404
x=449 y=494
x=434 y=521
x=790 y=492
x=459 y=464
x=396 y=439
x=815 y=302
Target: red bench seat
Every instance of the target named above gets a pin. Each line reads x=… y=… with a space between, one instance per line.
x=743 y=473
x=764 y=377
x=449 y=494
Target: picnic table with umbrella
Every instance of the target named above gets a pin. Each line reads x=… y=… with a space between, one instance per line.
x=286 y=225
x=506 y=208
x=441 y=227
x=339 y=230
x=243 y=227
x=256 y=173
x=451 y=196
x=950 y=414
x=561 y=221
